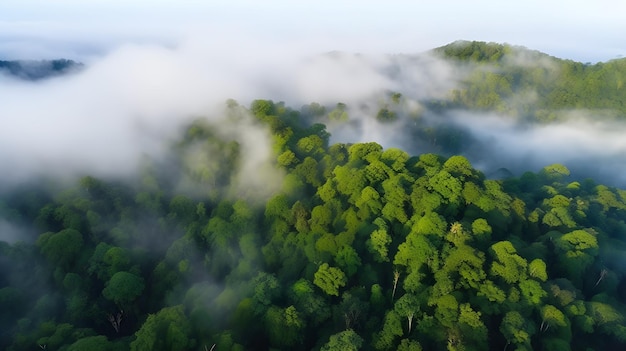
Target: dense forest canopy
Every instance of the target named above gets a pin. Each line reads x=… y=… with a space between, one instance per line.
x=309 y=242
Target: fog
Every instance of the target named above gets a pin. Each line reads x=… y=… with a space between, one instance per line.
x=584 y=141
x=133 y=101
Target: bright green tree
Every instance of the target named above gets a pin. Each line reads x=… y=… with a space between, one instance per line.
x=378 y=244
x=347 y=340
x=167 y=330
x=507 y=265
x=330 y=279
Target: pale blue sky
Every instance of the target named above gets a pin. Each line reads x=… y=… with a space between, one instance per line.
x=580 y=30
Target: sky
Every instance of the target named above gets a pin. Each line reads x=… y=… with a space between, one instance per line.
x=586 y=31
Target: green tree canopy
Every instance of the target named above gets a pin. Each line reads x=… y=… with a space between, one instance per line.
x=168 y=329
x=123 y=288
x=330 y=279
x=346 y=340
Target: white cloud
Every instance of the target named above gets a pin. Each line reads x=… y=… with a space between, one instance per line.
x=128 y=103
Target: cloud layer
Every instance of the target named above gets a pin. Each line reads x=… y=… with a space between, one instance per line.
x=139 y=88
x=126 y=104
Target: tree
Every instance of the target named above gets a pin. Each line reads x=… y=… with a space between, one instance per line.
x=313 y=109
x=386 y=115
x=508 y=265
x=350 y=181
x=311 y=145
x=409 y=345
x=481 y=229
x=61 y=248
x=348 y=260
x=395 y=158
x=262 y=108
x=312 y=306
x=92 y=343
x=363 y=151
x=283 y=326
x=168 y=329
x=123 y=288
x=431 y=224
x=55 y=335
x=514 y=328
x=266 y=289
x=392 y=329
x=321 y=218
x=458 y=166
x=532 y=292
x=347 y=340
x=537 y=269
x=430 y=163
x=447 y=310
x=555 y=172
x=339 y=113
x=369 y=203
x=466 y=265
x=558 y=217
x=490 y=297
x=287 y=159
x=408 y=306
x=330 y=279
x=576 y=252
x=608 y=318
x=472 y=326
x=377 y=171
x=416 y=251
x=378 y=244
x=447 y=186
x=117 y=259
x=551 y=316
x=457 y=235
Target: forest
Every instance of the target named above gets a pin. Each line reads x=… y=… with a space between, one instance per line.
x=335 y=246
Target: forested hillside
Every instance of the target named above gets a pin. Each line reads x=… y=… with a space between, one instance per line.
x=361 y=248
x=520 y=81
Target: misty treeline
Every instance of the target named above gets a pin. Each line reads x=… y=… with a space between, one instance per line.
x=360 y=248
x=38 y=70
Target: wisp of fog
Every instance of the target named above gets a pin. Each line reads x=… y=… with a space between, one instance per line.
x=130 y=102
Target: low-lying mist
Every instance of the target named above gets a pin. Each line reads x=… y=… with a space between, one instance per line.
x=130 y=103
x=584 y=141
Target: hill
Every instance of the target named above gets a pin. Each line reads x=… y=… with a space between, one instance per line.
x=501 y=73
x=38 y=70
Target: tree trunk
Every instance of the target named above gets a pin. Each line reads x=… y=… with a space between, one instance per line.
x=396 y=277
